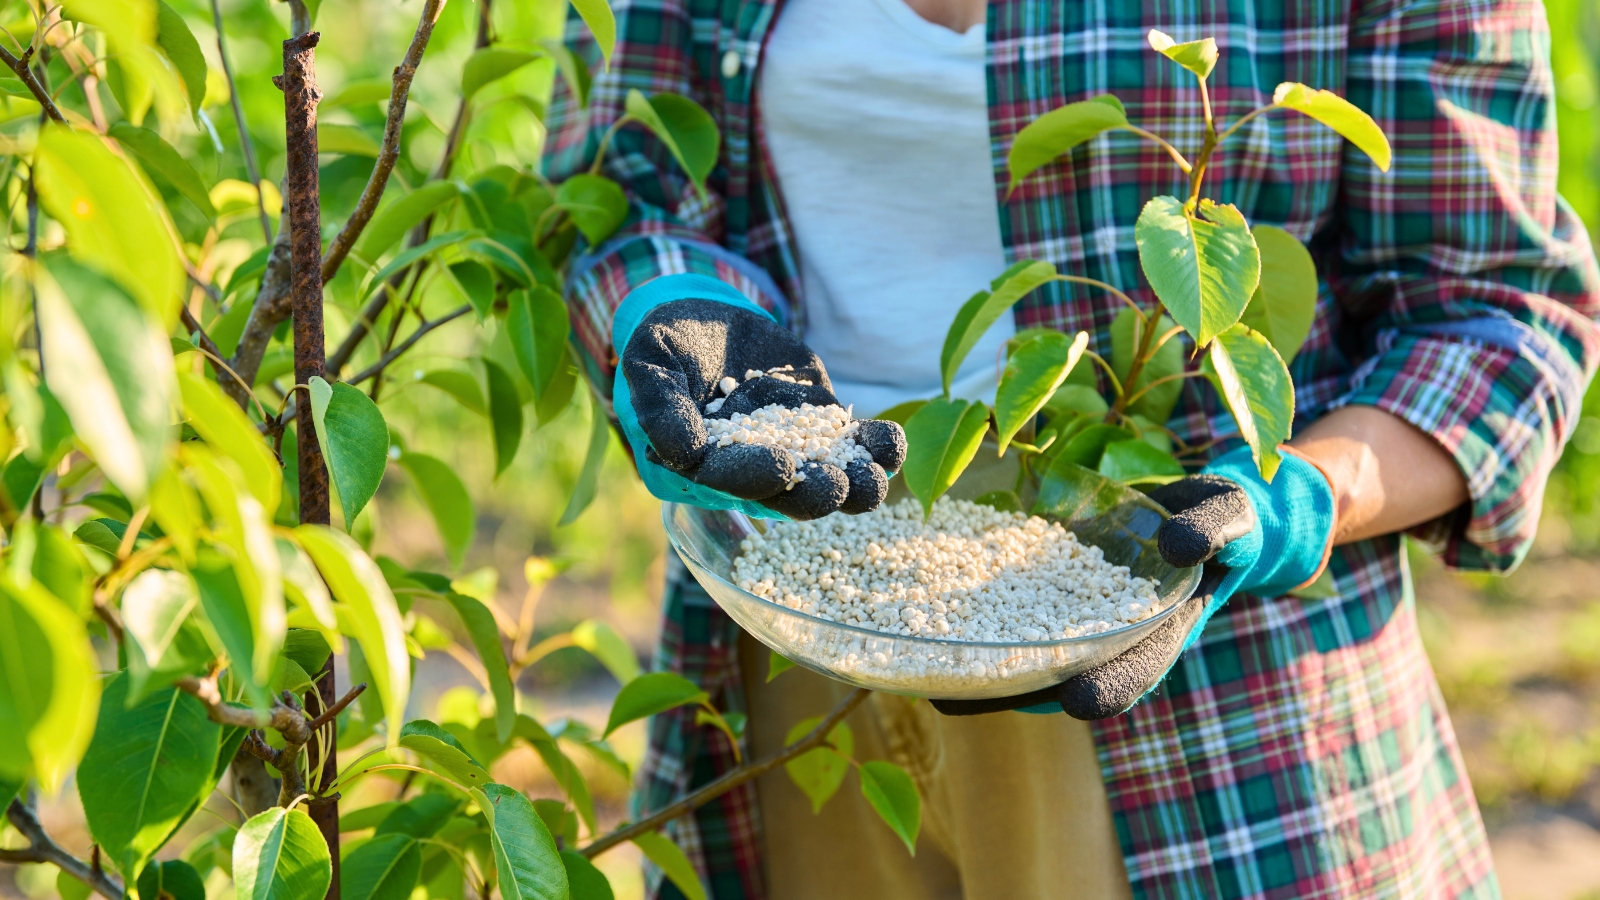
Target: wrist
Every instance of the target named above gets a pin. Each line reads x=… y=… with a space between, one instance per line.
x=1295 y=521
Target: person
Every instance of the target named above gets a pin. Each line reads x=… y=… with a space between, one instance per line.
x=1293 y=746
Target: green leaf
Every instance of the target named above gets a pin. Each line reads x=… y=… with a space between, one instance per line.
x=47 y=671
x=147 y=765
x=1203 y=267
x=604 y=644
x=1086 y=447
x=288 y=675
x=1199 y=57
x=818 y=773
x=178 y=42
x=505 y=414
x=446 y=497
x=111 y=369
x=384 y=868
x=1033 y=372
x=162 y=644
x=308 y=648
x=894 y=796
x=393 y=221
x=367 y=816
x=68 y=887
x=486 y=640
x=602 y=24
x=1339 y=114
x=460 y=385
x=650 y=694
x=596 y=203
x=983 y=308
x=1136 y=462
x=1253 y=380
x=22 y=477
x=421 y=817
x=670 y=859
x=584 y=880
x=444 y=752
x=574 y=71
x=538 y=325
x=280 y=855
x=778 y=664
x=1005 y=501
x=1058 y=131
x=360 y=93
x=60 y=567
x=228 y=431
x=1126 y=336
x=351 y=140
x=355 y=442
x=373 y=615
x=594 y=459
x=901 y=413
x=477 y=282
x=941 y=439
x=490 y=64
x=558 y=396
x=526 y=860
x=1285 y=302
x=173 y=879
x=159 y=157
x=689 y=132
x=112 y=222
x=305 y=587
x=227 y=622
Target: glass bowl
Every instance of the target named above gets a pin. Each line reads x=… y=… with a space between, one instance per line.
x=1120 y=521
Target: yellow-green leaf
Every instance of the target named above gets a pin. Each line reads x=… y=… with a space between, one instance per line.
x=689 y=132
x=1339 y=114
x=47 y=673
x=983 y=308
x=602 y=24
x=226 y=429
x=1199 y=57
x=347 y=139
x=157 y=156
x=490 y=64
x=280 y=855
x=393 y=221
x=894 y=797
x=1253 y=380
x=526 y=859
x=355 y=442
x=819 y=773
x=444 y=752
x=941 y=439
x=594 y=458
x=670 y=859
x=1033 y=372
x=1203 y=266
x=596 y=203
x=1059 y=130
x=446 y=498
x=1136 y=462
x=605 y=644
x=1285 y=302
x=650 y=694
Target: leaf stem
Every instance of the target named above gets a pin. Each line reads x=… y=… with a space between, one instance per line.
x=1134 y=398
x=246 y=145
x=1116 y=383
x=386 y=766
x=1245 y=118
x=1161 y=142
x=1094 y=282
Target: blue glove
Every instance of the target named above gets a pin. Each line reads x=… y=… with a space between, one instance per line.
x=1251 y=535
x=679 y=338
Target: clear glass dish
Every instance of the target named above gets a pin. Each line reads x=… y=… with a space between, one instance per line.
x=1119 y=520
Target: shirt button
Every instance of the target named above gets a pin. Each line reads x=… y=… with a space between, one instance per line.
x=730 y=64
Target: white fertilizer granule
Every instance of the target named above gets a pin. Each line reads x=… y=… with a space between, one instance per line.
x=810 y=434
x=969 y=573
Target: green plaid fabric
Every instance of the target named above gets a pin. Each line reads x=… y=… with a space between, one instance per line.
x=1300 y=749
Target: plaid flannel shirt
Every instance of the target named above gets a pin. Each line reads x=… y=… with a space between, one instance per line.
x=1301 y=748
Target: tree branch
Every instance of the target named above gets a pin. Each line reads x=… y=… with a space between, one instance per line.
x=728 y=782
x=19 y=67
x=390 y=151
x=42 y=848
x=377 y=368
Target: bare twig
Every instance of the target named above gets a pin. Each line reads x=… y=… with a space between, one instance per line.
x=332 y=712
x=270 y=308
x=390 y=150
x=43 y=849
x=19 y=67
x=377 y=368
x=245 y=144
x=816 y=738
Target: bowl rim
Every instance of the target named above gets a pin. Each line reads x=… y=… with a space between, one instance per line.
x=667 y=508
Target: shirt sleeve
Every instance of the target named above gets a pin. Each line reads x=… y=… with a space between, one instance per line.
x=1471 y=283
x=671 y=227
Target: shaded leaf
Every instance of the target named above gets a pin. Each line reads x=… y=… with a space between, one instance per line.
x=1339 y=114
x=505 y=414
x=1203 y=267
x=941 y=439
x=982 y=310
x=537 y=325
x=477 y=282
x=446 y=498
x=778 y=664
x=1126 y=336
x=359 y=93
x=596 y=203
x=229 y=432
x=650 y=694
x=351 y=140
x=308 y=649
x=1032 y=374
x=384 y=868
x=1285 y=302
x=485 y=636
x=355 y=443
x=444 y=752
x=1255 y=383
x=594 y=459
x=1199 y=57
x=227 y=624
x=420 y=817
x=584 y=880
x=158 y=156
x=394 y=220
x=526 y=860
x=668 y=857
x=1058 y=131
x=47 y=671
x=460 y=385
x=280 y=855
x=490 y=64
x=1136 y=462
x=689 y=132
x=819 y=773
x=894 y=797
x=604 y=644
x=173 y=879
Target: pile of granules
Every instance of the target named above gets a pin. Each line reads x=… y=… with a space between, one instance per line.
x=810 y=433
x=969 y=573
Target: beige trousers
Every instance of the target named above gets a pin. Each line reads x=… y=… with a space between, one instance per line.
x=1013 y=807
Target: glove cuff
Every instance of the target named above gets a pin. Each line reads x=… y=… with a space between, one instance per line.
x=1295 y=515
x=658 y=291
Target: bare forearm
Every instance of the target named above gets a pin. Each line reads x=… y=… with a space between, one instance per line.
x=1387 y=475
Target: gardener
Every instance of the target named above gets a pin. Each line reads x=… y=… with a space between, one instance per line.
x=1300 y=748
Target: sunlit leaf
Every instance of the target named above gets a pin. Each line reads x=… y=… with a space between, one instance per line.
x=689 y=132
x=384 y=868
x=1127 y=335
x=596 y=203
x=490 y=64
x=421 y=817
x=941 y=439
x=485 y=636
x=602 y=24
x=178 y=42
x=778 y=664
x=280 y=855
x=650 y=694
x=308 y=648
x=1199 y=57
x=305 y=587
x=584 y=880
x=161 y=642
x=460 y=385
x=526 y=860
x=983 y=308
x=670 y=859
x=574 y=71
x=225 y=428
x=393 y=221
x=1136 y=462
x=1204 y=267
x=1285 y=303
x=355 y=442
x=1255 y=383
x=113 y=223
x=477 y=282
x=1339 y=114
x=446 y=498
x=351 y=140
x=537 y=325
x=819 y=773
x=158 y=156
x=147 y=765
x=47 y=672
x=894 y=797
x=505 y=414
x=360 y=92
x=1059 y=130
x=605 y=644
x=172 y=879
x=594 y=458
x=901 y=413
x=1033 y=372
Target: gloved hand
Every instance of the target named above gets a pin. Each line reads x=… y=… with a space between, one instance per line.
x=1252 y=536
x=680 y=336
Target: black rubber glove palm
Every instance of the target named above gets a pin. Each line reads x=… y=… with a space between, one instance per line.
x=1207 y=512
x=674 y=362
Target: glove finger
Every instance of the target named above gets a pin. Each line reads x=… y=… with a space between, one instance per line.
x=823 y=491
x=885 y=440
x=758 y=392
x=1111 y=688
x=1208 y=512
x=667 y=413
x=995 y=704
x=869 y=484
x=747 y=471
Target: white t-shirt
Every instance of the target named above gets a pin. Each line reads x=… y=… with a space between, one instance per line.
x=878 y=125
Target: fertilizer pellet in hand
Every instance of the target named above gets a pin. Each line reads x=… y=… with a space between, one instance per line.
x=822 y=434
x=968 y=573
